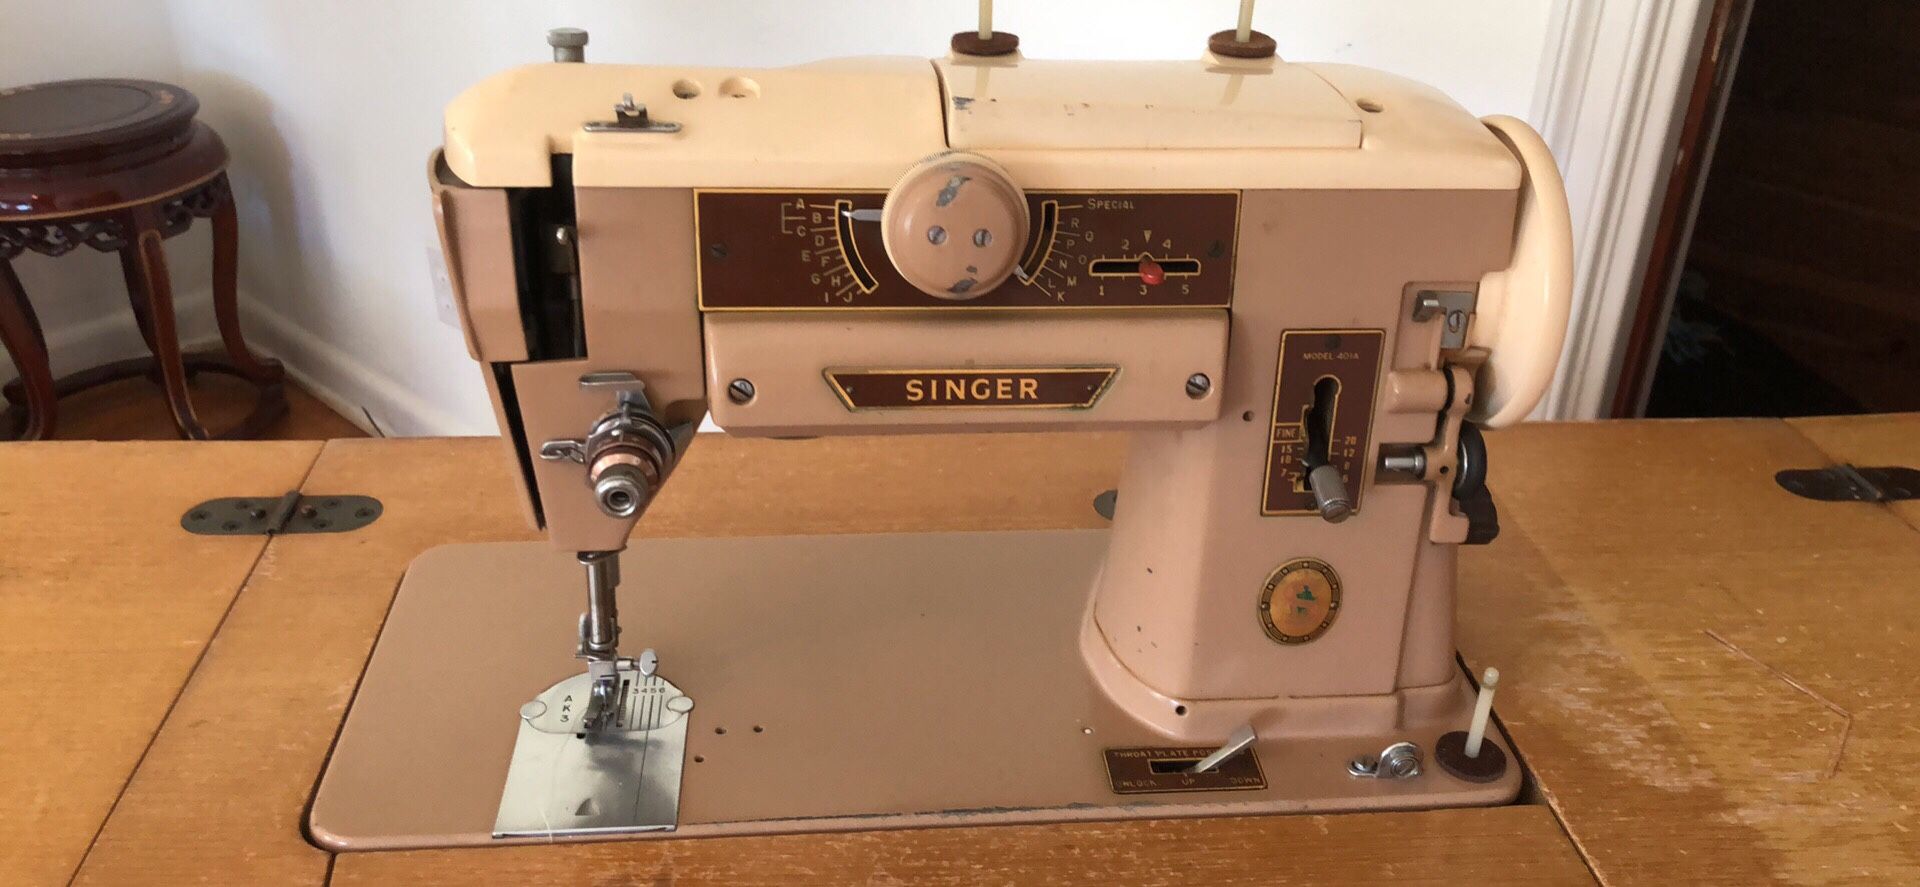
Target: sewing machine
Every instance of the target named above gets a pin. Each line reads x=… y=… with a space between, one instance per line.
x=1303 y=288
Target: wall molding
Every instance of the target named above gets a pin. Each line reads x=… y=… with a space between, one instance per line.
x=111 y=337
x=309 y=361
x=1614 y=83
x=377 y=403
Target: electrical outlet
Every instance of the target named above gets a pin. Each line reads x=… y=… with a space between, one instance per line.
x=442 y=286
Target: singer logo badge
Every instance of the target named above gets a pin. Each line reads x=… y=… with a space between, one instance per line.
x=1069 y=388
x=1299 y=601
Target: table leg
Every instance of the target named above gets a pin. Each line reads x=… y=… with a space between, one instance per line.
x=20 y=331
x=156 y=287
x=142 y=318
x=226 y=273
x=130 y=271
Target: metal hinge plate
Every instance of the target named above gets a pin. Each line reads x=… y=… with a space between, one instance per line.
x=1845 y=483
x=284 y=515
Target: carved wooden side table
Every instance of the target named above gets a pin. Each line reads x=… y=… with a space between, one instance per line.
x=118 y=166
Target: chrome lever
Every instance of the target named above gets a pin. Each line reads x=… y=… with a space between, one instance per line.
x=1236 y=743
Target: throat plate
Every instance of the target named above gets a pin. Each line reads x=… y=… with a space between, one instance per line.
x=625 y=778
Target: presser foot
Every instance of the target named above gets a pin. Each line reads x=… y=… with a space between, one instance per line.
x=621 y=775
x=604 y=683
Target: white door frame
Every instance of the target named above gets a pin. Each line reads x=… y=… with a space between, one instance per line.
x=1614 y=84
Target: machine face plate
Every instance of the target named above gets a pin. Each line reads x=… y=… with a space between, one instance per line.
x=802 y=250
x=623 y=779
x=845 y=682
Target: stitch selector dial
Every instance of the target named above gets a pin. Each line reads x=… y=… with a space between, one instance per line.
x=954 y=226
x=813 y=249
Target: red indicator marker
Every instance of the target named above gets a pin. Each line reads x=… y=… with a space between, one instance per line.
x=1151 y=273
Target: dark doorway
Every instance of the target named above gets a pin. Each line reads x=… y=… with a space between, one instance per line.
x=1798 y=289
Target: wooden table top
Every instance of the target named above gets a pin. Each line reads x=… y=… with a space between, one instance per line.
x=1710 y=680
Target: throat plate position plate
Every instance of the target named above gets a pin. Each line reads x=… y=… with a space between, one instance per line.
x=1152 y=769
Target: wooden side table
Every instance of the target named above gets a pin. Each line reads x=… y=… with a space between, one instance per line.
x=118 y=166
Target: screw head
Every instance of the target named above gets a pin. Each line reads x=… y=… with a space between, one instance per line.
x=1198 y=385
x=740 y=391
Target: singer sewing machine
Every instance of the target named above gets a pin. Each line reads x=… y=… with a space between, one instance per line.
x=1303 y=288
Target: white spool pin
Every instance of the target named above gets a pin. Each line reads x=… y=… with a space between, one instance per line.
x=1482 y=710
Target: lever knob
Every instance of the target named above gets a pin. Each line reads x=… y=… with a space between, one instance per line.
x=1330 y=493
x=954 y=225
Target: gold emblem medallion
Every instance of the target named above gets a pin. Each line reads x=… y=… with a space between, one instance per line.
x=1300 y=600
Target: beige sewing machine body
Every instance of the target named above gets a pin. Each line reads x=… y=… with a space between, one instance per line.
x=1299 y=286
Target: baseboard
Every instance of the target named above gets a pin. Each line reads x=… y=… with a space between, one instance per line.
x=348 y=408
x=377 y=403
x=113 y=337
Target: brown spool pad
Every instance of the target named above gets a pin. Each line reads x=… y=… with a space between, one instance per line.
x=1258 y=45
x=998 y=43
x=1451 y=752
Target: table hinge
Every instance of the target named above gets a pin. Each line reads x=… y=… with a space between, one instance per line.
x=285 y=515
x=1845 y=483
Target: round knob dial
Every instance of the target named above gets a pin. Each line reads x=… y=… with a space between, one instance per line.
x=954 y=225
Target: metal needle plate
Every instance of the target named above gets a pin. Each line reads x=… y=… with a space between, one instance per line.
x=625 y=778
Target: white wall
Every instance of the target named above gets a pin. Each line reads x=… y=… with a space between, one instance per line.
x=331 y=108
x=80 y=297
